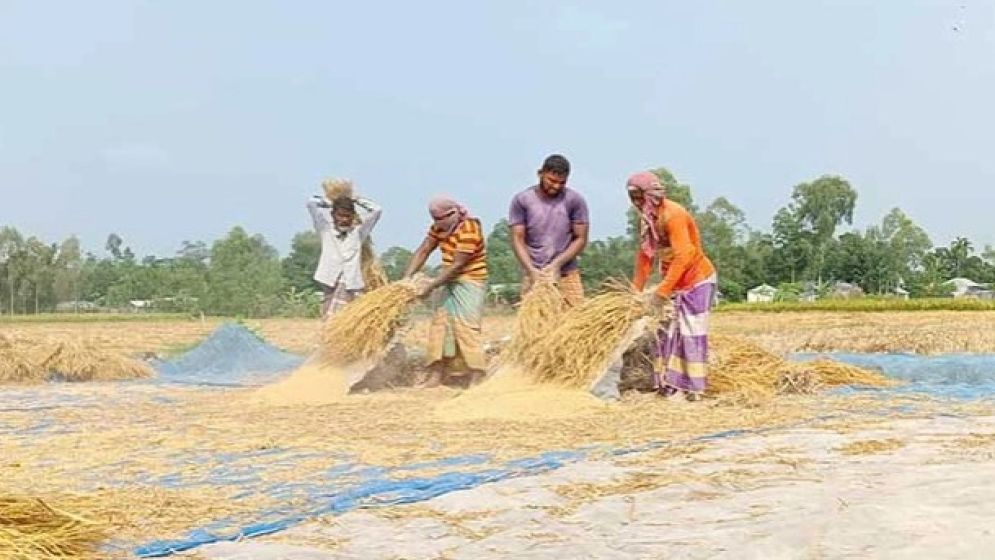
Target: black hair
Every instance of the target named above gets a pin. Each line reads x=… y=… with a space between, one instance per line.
x=344 y=203
x=556 y=164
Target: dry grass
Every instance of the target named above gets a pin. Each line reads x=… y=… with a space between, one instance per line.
x=363 y=328
x=871 y=446
x=35 y=529
x=929 y=332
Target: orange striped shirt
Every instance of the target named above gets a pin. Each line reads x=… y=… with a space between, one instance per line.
x=468 y=238
x=683 y=262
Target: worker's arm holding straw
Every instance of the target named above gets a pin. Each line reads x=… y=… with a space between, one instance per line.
x=421 y=255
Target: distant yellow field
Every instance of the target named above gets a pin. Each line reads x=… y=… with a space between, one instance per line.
x=925 y=331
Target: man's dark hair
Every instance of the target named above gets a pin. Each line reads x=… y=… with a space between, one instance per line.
x=556 y=164
x=345 y=204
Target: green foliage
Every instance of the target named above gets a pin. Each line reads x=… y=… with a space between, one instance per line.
x=244 y=276
x=502 y=266
x=299 y=266
x=395 y=261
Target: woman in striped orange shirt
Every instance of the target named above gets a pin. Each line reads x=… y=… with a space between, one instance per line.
x=455 y=345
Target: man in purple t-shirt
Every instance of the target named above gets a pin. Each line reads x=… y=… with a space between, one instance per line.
x=549 y=227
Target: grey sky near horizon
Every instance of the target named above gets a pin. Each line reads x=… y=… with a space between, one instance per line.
x=172 y=121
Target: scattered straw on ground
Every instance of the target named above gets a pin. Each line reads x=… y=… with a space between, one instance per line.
x=871 y=446
x=35 y=529
x=363 y=328
x=741 y=368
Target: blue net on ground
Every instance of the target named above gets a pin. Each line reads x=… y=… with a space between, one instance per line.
x=231 y=356
x=960 y=376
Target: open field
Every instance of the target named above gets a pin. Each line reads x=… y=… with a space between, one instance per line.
x=153 y=462
x=924 y=332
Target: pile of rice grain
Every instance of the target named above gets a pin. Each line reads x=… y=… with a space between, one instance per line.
x=363 y=328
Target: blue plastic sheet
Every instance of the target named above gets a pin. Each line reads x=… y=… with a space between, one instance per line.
x=232 y=356
x=959 y=376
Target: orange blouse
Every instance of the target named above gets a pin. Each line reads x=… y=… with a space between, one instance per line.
x=682 y=260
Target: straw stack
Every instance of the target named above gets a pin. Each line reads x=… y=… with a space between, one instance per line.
x=86 y=361
x=16 y=365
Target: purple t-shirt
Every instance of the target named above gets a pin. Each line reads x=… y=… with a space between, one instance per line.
x=548 y=223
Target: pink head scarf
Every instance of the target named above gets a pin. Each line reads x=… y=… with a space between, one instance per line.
x=447 y=213
x=653 y=194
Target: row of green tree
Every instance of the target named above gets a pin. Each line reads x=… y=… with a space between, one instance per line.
x=242 y=274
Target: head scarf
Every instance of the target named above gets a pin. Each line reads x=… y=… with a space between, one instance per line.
x=453 y=211
x=653 y=195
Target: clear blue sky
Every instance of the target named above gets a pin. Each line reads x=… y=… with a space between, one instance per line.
x=173 y=120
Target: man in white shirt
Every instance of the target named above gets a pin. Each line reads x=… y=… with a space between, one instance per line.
x=343 y=224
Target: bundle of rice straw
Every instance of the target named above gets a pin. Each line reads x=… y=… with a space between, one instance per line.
x=335 y=188
x=363 y=328
x=540 y=310
x=585 y=338
x=834 y=373
x=374 y=276
x=744 y=369
x=16 y=365
x=31 y=529
x=85 y=361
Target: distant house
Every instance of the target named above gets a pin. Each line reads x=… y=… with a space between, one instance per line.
x=967 y=288
x=901 y=293
x=76 y=307
x=761 y=294
x=810 y=293
x=846 y=290
x=137 y=305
